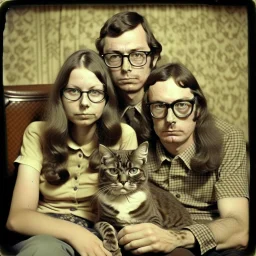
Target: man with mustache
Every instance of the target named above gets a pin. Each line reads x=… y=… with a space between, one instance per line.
x=201 y=160
x=130 y=50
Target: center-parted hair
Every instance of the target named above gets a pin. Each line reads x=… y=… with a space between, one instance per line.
x=54 y=141
x=208 y=138
x=123 y=22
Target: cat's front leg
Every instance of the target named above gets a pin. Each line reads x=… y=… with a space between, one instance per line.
x=108 y=234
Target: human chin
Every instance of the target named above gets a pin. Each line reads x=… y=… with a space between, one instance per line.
x=169 y=139
x=132 y=88
x=86 y=123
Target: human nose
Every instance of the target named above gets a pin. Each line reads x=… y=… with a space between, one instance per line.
x=126 y=66
x=84 y=100
x=170 y=117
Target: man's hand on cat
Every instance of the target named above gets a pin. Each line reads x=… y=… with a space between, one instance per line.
x=147 y=237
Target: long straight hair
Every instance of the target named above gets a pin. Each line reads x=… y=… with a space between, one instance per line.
x=54 y=141
x=208 y=138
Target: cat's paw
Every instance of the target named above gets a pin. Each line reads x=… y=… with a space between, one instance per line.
x=117 y=253
x=111 y=246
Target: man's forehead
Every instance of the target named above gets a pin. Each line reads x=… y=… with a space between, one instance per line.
x=168 y=89
x=131 y=40
x=125 y=48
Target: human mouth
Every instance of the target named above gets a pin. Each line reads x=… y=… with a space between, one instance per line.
x=127 y=80
x=84 y=116
x=171 y=132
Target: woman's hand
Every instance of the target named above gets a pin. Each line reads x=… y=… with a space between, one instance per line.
x=86 y=243
x=24 y=217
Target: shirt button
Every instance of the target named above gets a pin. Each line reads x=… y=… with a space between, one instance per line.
x=79 y=166
x=72 y=209
x=75 y=188
x=80 y=155
x=75 y=177
x=177 y=195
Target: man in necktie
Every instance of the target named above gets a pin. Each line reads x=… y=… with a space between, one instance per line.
x=130 y=50
x=133 y=118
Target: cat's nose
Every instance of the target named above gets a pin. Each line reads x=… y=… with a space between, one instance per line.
x=122 y=178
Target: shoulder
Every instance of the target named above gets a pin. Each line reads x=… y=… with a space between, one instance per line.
x=228 y=129
x=128 y=139
x=233 y=137
x=127 y=130
x=37 y=127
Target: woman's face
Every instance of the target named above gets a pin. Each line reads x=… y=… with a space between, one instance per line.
x=83 y=112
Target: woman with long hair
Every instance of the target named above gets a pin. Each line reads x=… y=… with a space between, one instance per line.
x=52 y=199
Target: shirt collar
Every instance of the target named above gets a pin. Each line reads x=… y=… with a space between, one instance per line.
x=86 y=149
x=138 y=107
x=158 y=155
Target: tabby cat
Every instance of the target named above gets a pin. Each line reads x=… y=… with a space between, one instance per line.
x=126 y=197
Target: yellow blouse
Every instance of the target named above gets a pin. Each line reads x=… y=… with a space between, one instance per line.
x=75 y=195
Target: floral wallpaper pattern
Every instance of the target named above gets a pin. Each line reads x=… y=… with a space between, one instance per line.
x=212 y=41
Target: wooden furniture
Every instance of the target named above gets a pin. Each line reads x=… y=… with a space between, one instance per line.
x=23 y=105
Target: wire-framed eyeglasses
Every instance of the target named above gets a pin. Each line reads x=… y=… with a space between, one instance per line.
x=94 y=95
x=136 y=58
x=181 y=108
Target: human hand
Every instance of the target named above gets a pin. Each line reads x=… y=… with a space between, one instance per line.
x=147 y=237
x=86 y=243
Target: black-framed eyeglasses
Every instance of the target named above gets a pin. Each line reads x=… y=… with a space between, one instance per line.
x=181 y=108
x=136 y=58
x=94 y=95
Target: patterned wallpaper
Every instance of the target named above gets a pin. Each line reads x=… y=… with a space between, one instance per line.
x=210 y=40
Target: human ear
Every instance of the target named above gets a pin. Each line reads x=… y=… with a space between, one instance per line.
x=154 y=61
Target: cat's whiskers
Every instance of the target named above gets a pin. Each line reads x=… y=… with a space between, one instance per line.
x=125 y=196
x=101 y=191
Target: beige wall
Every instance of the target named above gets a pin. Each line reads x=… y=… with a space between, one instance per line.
x=210 y=40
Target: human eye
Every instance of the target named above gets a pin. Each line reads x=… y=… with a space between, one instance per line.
x=114 y=57
x=159 y=106
x=72 y=91
x=183 y=106
x=96 y=93
x=137 y=55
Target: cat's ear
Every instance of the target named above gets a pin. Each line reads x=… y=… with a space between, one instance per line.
x=140 y=154
x=106 y=154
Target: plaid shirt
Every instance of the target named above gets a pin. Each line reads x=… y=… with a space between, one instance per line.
x=200 y=193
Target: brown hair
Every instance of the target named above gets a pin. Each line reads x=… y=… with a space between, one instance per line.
x=54 y=141
x=208 y=138
x=123 y=22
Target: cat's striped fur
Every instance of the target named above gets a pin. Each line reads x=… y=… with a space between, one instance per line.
x=126 y=197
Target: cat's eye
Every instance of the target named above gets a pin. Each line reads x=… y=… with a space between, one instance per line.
x=112 y=171
x=134 y=171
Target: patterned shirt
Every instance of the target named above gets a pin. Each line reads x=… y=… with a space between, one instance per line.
x=200 y=193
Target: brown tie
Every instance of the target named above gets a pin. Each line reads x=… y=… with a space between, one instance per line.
x=133 y=119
